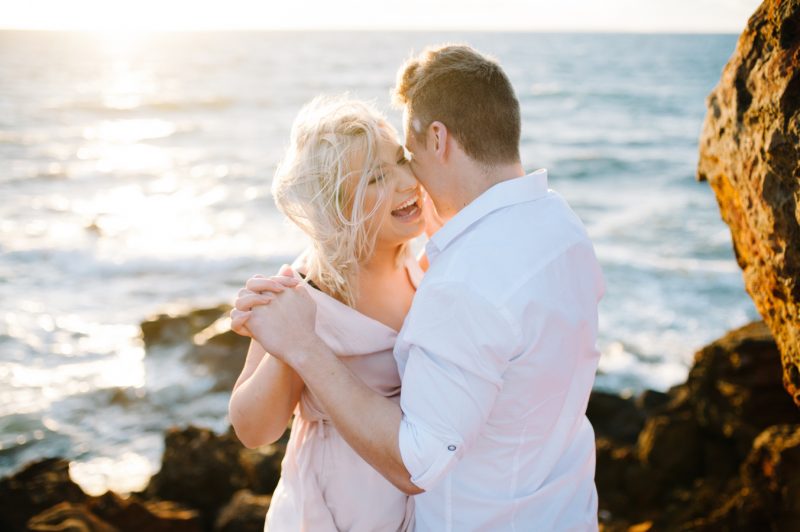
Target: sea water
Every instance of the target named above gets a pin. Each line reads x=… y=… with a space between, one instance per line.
x=135 y=178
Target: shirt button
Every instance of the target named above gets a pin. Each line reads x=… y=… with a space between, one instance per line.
x=451 y=447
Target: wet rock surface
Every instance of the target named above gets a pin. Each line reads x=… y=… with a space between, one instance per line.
x=207 y=482
x=37 y=487
x=201 y=337
x=169 y=329
x=203 y=470
x=750 y=155
x=244 y=513
x=720 y=453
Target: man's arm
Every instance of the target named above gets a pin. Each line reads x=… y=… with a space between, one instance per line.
x=459 y=348
x=367 y=421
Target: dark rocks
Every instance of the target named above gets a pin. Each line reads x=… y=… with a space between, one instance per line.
x=699 y=462
x=110 y=512
x=135 y=514
x=672 y=445
x=614 y=417
x=203 y=338
x=750 y=155
x=69 y=517
x=733 y=387
x=199 y=469
x=42 y=496
x=35 y=488
x=166 y=329
x=203 y=470
x=770 y=474
x=221 y=354
x=245 y=513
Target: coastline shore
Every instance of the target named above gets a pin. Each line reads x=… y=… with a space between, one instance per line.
x=711 y=452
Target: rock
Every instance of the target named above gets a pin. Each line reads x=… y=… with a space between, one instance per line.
x=221 y=353
x=750 y=155
x=766 y=496
x=672 y=445
x=204 y=337
x=166 y=329
x=685 y=470
x=199 y=469
x=154 y=516
x=35 y=488
x=734 y=387
x=623 y=485
x=70 y=517
x=245 y=513
x=651 y=401
x=263 y=467
x=770 y=475
x=111 y=513
x=614 y=417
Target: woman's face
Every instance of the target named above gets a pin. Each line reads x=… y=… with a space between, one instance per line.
x=394 y=193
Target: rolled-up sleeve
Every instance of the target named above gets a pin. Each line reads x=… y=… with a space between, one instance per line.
x=459 y=344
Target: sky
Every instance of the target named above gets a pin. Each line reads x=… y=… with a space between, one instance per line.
x=693 y=16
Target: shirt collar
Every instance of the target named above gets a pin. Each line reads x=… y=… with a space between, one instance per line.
x=504 y=194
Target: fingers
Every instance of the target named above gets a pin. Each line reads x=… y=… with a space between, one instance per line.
x=248 y=299
x=263 y=284
x=239 y=322
x=286 y=271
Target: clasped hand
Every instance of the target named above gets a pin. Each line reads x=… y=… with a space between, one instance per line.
x=277 y=312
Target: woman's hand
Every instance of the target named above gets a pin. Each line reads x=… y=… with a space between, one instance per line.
x=258 y=290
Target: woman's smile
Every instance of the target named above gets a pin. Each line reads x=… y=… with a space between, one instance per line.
x=410 y=210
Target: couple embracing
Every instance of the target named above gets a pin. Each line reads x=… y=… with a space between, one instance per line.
x=432 y=393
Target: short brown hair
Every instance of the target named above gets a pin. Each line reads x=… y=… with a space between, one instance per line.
x=470 y=94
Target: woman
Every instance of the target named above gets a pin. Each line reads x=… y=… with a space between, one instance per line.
x=346 y=183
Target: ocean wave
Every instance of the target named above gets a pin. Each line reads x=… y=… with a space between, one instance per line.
x=641 y=259
x=182 y=104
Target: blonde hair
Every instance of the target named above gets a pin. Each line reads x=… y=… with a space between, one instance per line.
x=309 y=187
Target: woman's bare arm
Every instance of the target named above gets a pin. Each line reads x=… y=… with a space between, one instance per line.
x=263 y=398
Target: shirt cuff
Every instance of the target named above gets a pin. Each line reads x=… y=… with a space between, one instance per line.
x=428 y=457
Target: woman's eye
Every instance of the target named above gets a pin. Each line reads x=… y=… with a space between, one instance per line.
x=375 y=178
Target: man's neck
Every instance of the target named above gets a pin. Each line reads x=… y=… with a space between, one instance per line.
x=476 y=180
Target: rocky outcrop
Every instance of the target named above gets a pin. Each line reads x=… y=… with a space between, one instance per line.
x=203 y=470
x=38 y=486
x=717 y=452
x=207 y=482
x=245 y=513
x=203 y=338
x=112 y=513
x=750 y=155
x=169 y=329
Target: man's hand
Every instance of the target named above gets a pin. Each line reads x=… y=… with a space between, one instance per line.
x=258 y=290
x=284 y=325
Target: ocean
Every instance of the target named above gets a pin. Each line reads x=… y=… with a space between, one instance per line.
x=135 y=178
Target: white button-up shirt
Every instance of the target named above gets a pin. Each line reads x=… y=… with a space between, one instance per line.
x=497 y=358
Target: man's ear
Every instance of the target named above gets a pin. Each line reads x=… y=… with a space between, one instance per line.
x=437 y=139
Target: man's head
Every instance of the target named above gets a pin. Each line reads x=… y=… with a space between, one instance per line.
x=450 y=94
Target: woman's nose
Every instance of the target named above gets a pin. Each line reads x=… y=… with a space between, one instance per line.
x=408 y=181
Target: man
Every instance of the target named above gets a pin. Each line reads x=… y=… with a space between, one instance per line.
x=497 y=355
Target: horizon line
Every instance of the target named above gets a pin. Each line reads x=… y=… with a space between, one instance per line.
x=378 y=29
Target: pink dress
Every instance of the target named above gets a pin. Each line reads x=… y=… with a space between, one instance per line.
x=325 y=486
